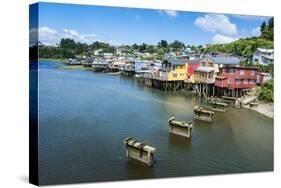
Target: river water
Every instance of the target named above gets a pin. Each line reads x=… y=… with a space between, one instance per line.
x=84 y=117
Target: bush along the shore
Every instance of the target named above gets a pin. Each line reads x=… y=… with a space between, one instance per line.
x=266 y=91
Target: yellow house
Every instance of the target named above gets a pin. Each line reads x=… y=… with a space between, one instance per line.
x=173 y=70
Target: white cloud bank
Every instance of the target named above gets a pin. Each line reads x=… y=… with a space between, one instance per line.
x=221 y=39
x=256 y=31
x=170 y=13
x=225 y=31
x=50 y=36
x=216 y=23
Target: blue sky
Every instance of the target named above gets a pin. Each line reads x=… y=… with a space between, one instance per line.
x=88 y=23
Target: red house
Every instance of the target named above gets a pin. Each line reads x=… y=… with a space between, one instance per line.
x=192 y=65
x=262 y=77
x=236 y=78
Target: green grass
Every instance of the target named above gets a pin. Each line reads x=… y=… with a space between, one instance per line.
x=51 y=59
x=73 y=67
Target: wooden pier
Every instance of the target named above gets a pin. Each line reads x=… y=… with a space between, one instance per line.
x=202 y=114
x=180 y=128
x=139 y=151
x=218 y=106
x=163 y=85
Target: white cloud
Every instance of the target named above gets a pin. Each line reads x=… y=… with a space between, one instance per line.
x=50 y=36
x=256 y=31
x=221 y=39
x=170 y=13
x=216 y=23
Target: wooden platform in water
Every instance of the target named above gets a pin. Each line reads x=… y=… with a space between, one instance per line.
x=139 y=151
x=180 y=128
x=203 y=114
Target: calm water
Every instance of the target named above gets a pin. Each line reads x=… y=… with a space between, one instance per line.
x=84 y=117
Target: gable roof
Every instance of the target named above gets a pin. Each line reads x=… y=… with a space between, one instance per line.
x=177 y=61
x=227 y=60
x=264 y=50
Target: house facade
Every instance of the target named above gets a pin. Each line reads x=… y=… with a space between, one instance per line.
x=192 y=65
x=173 y=70
x=236 y=78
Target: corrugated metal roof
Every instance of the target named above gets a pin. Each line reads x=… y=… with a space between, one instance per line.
x=177 y=61
x=229 y=60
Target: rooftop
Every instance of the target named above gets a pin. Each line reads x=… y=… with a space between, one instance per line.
x=228 y=60
x=177 y=61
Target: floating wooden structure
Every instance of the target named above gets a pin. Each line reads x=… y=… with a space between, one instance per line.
x=180 y=128
x=139 y=151
x=231 y=100
x=218 y=106
x=202 y=114
x=254 y=104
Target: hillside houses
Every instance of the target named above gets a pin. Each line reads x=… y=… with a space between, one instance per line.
x=263 y=56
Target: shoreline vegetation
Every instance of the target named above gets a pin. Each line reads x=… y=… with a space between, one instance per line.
x=74 y=67
x=52 y=59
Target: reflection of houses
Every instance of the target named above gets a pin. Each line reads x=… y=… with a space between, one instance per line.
x=100 y=65
x=232 y=80
x=263 y=77
x=263 y=56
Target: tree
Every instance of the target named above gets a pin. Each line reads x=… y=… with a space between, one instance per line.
x=67 y=43
x=262 y=26
x=266 y=92
x=163 y=44
x=177 y=45
x=271 y=22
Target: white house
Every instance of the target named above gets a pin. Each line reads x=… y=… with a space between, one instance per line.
x=263 y=56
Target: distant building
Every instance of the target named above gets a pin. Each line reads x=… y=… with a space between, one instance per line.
x=107 y=55
x=262 y=77
x=97 y=52
x=263 y=56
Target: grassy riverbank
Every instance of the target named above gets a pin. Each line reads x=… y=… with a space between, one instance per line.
x=52 y=59
x=73 y=67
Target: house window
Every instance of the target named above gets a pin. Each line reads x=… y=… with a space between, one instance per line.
x=252 y=81
x=252 y=73
x=232 y=70
x=242 y=72
x=175 y=75
x=245 y=81
x=238 y=82
x=229 y=81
